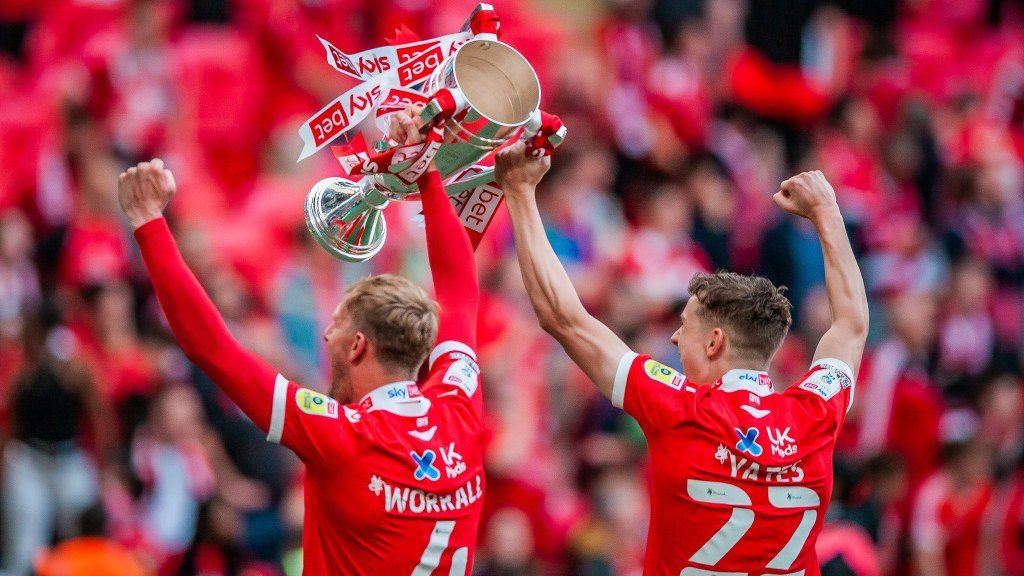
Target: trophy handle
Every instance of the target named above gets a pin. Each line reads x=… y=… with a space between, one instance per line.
x=543 y=133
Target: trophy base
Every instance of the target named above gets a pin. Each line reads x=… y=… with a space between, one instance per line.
x=343 y=220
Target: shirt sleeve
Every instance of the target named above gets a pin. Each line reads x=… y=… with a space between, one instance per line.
x=199 y=328
x=829 y=381
x=452 y=266
x=311 y=424
x=453 y=365
x=656 y=395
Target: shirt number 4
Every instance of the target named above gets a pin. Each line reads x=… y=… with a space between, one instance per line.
x=742 y=518
x=438 y=543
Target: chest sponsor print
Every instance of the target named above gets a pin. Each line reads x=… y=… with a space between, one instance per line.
x=413 y=501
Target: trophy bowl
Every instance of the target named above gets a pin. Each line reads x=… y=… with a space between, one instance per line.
x=501 y=90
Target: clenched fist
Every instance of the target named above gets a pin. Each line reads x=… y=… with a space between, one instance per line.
x=807 y=194
x=517 y=172
x=406 y=125
x=144 y=191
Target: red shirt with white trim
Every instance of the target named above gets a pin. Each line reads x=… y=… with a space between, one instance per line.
x=393 y=482
x=741 y=475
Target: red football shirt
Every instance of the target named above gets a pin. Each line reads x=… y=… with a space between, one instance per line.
x=741 y=475
x=394 y=482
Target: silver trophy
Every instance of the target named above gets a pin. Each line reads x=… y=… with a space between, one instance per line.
x=497 y=94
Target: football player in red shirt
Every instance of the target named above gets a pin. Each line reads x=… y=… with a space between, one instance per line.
x=394 y=471
x=741 y=473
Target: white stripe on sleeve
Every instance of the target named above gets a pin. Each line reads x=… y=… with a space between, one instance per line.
x=278 y=410
x=450 y=346
x=621 y=375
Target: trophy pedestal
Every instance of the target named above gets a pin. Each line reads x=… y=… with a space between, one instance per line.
x=346 y=217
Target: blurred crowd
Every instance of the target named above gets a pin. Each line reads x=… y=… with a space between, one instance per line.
x=684 y=116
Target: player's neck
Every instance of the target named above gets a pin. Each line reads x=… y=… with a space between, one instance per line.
x=721 y=367
x=371 y=376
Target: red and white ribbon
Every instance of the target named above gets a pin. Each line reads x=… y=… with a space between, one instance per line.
x=547 y=131
x=411 y=63
x=407 y=162
x=484 y=23
x=340 y=115
x=476 y=206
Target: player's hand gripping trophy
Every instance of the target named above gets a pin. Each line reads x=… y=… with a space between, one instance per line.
x=475 y=95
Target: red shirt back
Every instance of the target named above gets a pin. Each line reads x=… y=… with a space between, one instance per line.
x=741 y=475
x=394 y=483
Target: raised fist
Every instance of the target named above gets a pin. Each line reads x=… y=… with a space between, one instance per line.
x=515 y=171
x=405 y=126
x=806 y=194
x=144 y=191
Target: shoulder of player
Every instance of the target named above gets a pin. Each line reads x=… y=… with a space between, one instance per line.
x=654 y=370
x=824 y=379
x=449 y=352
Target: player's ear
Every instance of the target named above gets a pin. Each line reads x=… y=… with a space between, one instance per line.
x=715 y=344
x=357 y=352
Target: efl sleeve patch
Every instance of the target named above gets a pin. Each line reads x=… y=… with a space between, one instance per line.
x=661 y=373
x=315 y=403
x=463 y=373
x=827 y=381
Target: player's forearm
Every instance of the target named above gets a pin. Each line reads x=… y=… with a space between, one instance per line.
x=846 y=294
x=199 y=328
x=451 y=263
x=551 y=292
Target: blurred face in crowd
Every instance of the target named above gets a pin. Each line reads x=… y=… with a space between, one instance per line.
x=913 y=316
x=509 y=539
x=178 y=415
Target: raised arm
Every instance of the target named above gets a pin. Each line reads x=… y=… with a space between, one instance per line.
x=590 y=344
x=451 y=263
x=448 y=247
x=810 y=195
x=144 y=191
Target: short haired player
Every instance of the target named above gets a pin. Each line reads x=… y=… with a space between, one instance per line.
x=394 y=471
x=741 y=473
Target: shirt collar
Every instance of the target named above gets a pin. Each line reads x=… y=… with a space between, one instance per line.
x=754 y=381
x=401 y=398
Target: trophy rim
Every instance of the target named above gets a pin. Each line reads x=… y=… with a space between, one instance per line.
x=517 y=53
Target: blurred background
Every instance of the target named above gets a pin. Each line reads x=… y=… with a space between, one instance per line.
x=684 y=116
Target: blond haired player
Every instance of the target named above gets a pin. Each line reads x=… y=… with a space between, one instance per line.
x=394 y=472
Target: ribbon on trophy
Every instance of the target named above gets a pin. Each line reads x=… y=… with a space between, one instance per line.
x=407 y=162
x=462 y=133
x=413 y=62
x=340 y=115
x=473 y=191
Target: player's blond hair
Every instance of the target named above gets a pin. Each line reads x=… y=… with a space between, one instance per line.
x=753 y=311
x=397 y=316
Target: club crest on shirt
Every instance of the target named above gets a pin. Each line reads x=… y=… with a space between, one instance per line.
x=315 y=403
x=667 y=376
